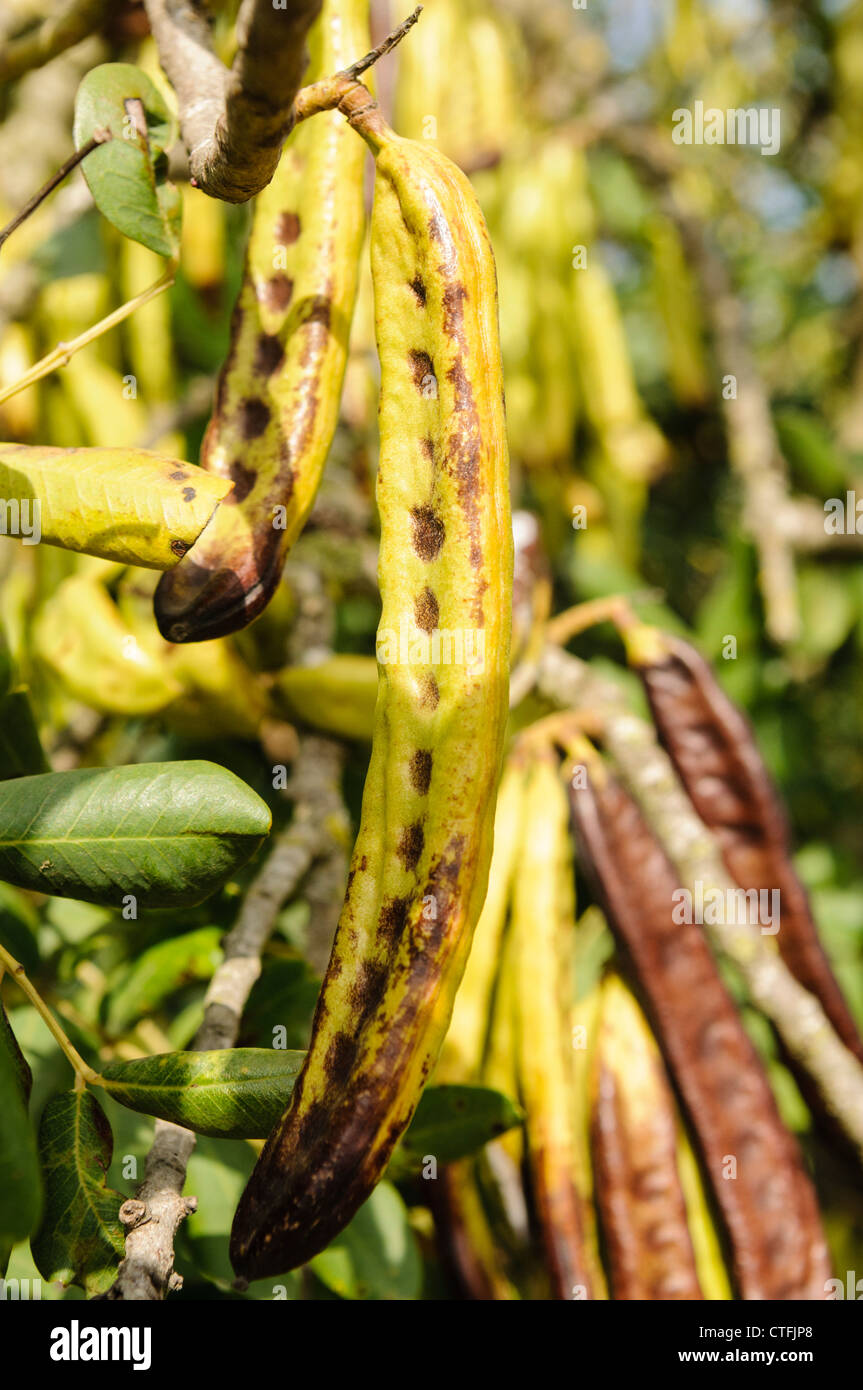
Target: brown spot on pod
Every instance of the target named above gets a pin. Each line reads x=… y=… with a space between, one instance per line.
x=276 y=292
x=411 y=845
x=269 y=354
x=254 y=417
x=369 y=988
x=340 y=1058
x=426 y=611
x=429 y=532
x=421 y=770
x=287 y=229
x=419 y=289
x=178 y=476
x=393 y=916
x=428 y=448
x=178 y=547
x=244 y=480
x=423 y=373
x=429 y=692
x=189 y=494
x=453 y=308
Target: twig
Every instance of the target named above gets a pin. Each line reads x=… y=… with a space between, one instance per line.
x=77 y=19
x=356 y=70
x=154 y=1215
x=19 y=975
x=99 y=138
x=60 y=355
x=797 y=1015
x=327 y=94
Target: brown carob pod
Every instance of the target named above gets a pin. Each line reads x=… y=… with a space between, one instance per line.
x=764 y=1196
x=465 y=1240
x=713 y=748
x=634 y=1141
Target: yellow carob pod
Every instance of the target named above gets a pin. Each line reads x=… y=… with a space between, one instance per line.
x=706 y=1243
x=465 y=1234
x=420 y=865
x=277 y=402
x=462 y=1054
x=542 y=945
x=642 y=1208
x=584 y=1030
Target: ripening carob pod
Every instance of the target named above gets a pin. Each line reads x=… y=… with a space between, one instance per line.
x=465 y=1237
x=713 y=748
x=463 y=1051
x=419 y=869
x=542 y=943
x=464 y=1234
x=277 y=401
x=764 y=1196
x=634 y=1131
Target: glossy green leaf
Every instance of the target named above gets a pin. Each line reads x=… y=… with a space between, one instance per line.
x=127 y=175
x=167 y=833
x=80 y=1240
x=376 y=1257
x=452 y=1122
x=236 y=1093
x=158 y=971
x=18 y=926
x=10 y=1049
x=20 y=1182
x=21 y=752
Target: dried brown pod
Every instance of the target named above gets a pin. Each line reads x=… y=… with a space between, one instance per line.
x=634 y=1142
x=713 y=748
x=765 y=1198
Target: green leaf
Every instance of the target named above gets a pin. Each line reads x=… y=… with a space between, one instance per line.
x=167 y=833
x=376 y=1257
x=163 y=968
x=80 y=1240
x=236 y=1093
x=20 y=1182
x=18 y=926
x=127 y=175
x=828 y=609
x=9 y=1047
x=452 y=1122
x=20 y=747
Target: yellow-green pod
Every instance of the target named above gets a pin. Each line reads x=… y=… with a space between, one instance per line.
x=277 y=402
x=641 y=1204
x=420 y=866
x=542 y=962
x=81 y=636
x=337 y=696
x=464 y=1047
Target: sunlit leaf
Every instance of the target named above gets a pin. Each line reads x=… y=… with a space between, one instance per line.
x=167 y=833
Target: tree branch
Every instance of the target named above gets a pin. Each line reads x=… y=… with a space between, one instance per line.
x=77 y=19
x=234 y=122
